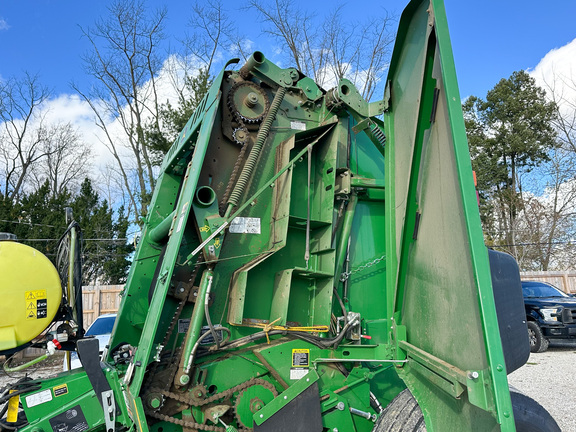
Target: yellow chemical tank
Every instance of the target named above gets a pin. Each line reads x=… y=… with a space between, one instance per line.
x=30 y=294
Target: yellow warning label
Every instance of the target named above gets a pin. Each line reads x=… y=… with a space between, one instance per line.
x=33 y=295
x=31 y=314
x=300 y=358
x=31 y=305
x=60 y=390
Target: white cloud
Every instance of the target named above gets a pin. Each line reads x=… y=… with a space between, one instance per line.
x=556 y=73
x=4 y=24
x=66 y=108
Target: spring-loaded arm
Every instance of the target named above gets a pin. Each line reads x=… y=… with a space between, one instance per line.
x=248 y=169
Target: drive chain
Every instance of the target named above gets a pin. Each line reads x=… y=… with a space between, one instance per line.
x=172 y=325
x=190 y=424
x=182 y=397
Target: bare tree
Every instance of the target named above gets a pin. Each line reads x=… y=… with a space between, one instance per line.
x=546 y=228
x=211 y=30
x=561 y=90
x=333 y=48
x=124 y=61
x=22 y=131
x=550 y=225
x=67 y=159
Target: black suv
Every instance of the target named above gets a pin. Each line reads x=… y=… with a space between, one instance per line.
x=550 y=314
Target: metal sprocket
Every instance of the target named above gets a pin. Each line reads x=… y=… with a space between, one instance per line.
x=198 y=393
x=248 y=102
x=250 y=401
x=240 y=135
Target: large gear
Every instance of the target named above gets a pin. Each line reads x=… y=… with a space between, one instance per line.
x=250 y=401
x=248 y=102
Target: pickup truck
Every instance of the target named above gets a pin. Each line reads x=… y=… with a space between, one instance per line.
x=550 y=314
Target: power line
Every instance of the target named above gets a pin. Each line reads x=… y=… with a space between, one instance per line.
x=89 y=239
x=537 y=244
x=26 y=223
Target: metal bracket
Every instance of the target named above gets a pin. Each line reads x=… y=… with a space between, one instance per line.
x=109 y=406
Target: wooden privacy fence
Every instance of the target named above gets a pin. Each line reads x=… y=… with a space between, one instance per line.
x=565 y=280
x=99 y=300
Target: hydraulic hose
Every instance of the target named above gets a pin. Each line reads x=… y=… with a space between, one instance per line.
x=8 y=369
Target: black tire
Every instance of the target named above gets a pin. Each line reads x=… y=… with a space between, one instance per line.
x=404 y=415
x=530 y=416
x=538 y=343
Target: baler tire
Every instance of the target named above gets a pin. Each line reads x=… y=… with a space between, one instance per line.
x=538 y=343
x=529 y=415
x=403 y=414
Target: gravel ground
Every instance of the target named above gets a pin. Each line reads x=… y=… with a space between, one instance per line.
x=550 y=379
x=45 y=369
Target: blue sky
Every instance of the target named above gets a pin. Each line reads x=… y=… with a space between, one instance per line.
x=491 y=39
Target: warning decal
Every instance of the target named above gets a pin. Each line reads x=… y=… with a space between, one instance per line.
x=300 y=358
x=38 y=398
x=72 y=420
x=60 y=390
x=298 y=373
x=300 y=363
x=36 y=304
x=245 y=225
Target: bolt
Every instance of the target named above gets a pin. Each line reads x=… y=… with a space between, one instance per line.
x=261 y=415
x=340 y=406
x=285 y=397
x=335 y=430
x=184 y=379
x=499 y=368
x=155 y=403
x=473 y=375
x=251 y=100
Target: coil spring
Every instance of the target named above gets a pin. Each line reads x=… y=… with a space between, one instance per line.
x=256 y=149
x=377 y=132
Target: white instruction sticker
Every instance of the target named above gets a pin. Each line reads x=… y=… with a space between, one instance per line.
x=245 y=225
x=296 y=125
x=38 y=398
x=297 y=373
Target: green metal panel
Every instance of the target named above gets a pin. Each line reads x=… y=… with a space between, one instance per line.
x=69 y=394
x=444 y=295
